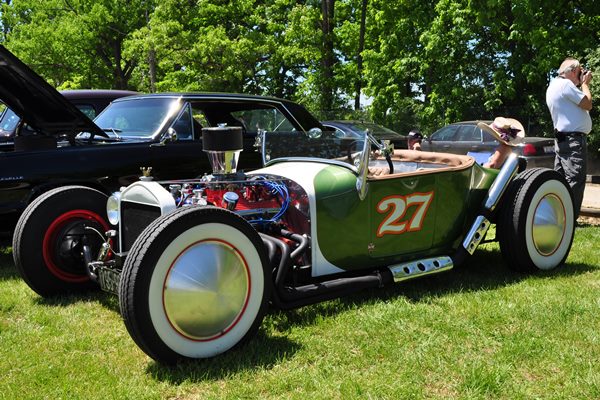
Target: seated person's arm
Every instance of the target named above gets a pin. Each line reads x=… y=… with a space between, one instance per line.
x=498 y=157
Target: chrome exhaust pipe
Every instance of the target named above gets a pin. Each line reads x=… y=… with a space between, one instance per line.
x=418 y=268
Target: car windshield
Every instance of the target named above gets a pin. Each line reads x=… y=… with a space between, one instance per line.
x=374 y=128
x=137 y=118
x=308 y=145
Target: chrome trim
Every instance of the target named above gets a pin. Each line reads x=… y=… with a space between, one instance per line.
x=417 y=268
x=263 y=146
x=149 y=193
x=113 y=211
x=363 y=168
x=549 y=224
x=481 y=224
x=507 y=172
x=206 y=290
x=290 y=115
x=476 y=234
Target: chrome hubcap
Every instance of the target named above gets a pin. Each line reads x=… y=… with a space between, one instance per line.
x=549 y=223
x=206 y=290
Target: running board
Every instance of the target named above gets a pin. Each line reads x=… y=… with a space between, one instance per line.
x=417 y=268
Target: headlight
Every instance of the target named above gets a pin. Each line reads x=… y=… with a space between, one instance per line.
x=112 y=208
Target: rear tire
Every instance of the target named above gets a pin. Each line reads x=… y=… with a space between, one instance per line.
x=47 y=243
x=195 y=284
x=536 y=221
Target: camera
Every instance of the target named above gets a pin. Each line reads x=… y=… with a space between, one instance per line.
x=582 y=73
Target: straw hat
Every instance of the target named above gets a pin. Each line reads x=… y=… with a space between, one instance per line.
x=507 y=130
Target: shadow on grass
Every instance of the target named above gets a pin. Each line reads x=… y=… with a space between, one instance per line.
x=485 y=270
x=260 y=352
x=8 y=271
x=7 y=265
x=107 y=300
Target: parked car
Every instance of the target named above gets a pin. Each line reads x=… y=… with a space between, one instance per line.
x=196 y=263
x=89 y=101
x=162 y=131
x=356 y=130
x=466 y=137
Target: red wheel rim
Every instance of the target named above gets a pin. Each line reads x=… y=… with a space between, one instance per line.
x=50 y=239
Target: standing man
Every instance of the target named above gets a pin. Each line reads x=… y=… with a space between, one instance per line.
x=569 y=106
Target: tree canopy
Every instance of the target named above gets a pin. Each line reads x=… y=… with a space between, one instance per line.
x=419 y=63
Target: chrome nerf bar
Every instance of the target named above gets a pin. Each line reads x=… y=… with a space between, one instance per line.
x=481 y=223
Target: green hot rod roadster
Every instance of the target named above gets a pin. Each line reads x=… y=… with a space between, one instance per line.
x=197 y=263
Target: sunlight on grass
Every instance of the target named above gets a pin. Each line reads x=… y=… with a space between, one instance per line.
x=478 y=331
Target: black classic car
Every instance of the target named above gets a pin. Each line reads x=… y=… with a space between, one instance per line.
x=89 y=101
x=163 y=131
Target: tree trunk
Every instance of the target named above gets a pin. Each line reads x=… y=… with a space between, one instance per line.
x=328 y=60
x=118 y=75
x=359 y=58
x=151 y=58
x=152 y=69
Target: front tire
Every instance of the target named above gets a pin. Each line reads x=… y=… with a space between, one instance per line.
x=48 y=238
x=194 y=285
x=536 y=222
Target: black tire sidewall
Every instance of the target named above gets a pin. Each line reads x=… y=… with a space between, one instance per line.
x=516 y=214
x=32 y=226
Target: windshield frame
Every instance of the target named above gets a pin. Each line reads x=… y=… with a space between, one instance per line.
x=323 y=141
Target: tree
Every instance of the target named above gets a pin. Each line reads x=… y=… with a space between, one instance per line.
x=397 y=74
x=4 y=28
x=75 y=42
x=359 y=56
x=447 y=61
x=423 y=63
x=328 y=57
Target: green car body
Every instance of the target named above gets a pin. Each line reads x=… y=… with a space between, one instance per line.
x=383 y=229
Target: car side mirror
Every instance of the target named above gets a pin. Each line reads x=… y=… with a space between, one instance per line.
x=169 y=136
x=314 y=133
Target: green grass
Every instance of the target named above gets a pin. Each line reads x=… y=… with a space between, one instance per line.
x=477 y=332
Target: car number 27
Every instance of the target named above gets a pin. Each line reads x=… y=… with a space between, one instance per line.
x=394 y=207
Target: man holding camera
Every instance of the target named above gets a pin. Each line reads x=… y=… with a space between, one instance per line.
x=569 y=99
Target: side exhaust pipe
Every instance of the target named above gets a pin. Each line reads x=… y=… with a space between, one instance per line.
x=418 y=268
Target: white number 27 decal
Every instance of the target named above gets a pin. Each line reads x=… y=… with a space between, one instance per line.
x=395 y=206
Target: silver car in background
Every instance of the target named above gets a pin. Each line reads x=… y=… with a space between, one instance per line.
x=466 y=138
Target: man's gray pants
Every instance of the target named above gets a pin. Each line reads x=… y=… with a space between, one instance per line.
x=570 y=161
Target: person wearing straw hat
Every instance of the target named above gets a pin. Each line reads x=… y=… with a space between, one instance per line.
x=569 y=100
x=509 y=132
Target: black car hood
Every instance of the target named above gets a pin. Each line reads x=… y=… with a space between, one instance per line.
x=40 y=105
